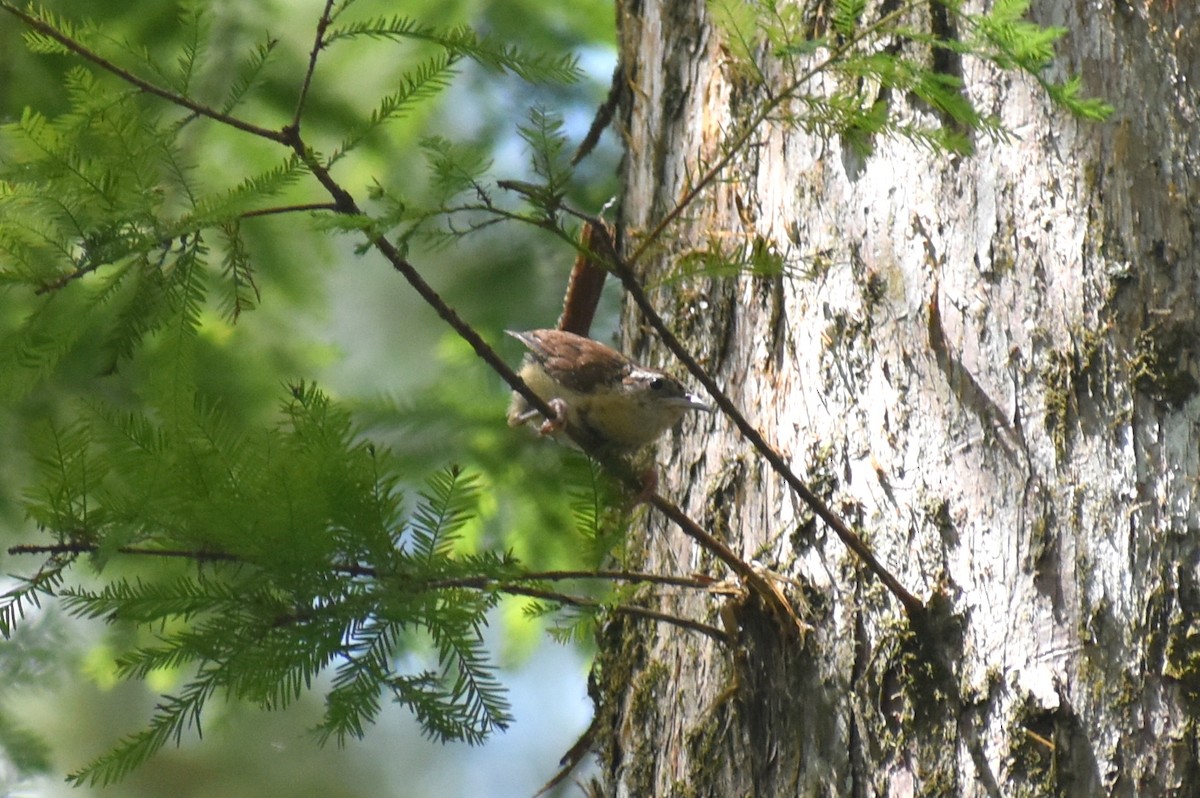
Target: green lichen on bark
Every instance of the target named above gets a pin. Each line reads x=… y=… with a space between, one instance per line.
x=912 y=701
x=1161 y=359
x=1067 y=375
x=1031 y=760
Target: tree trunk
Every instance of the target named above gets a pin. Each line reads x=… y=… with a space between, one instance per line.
x=988 y=366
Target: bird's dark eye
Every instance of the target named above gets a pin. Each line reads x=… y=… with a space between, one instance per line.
x=657 y=383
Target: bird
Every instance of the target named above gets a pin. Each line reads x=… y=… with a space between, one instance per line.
x=600 y=397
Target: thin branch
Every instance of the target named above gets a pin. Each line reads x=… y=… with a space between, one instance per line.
x=700 y=581
x=318 y=44
x=91 y=548
x=684 y=623
x=354 y=569
x=633 y=577
x=472 y=583
x=145 y=85
x=604 y=115
x=623 y=609
x=311 y=206
x=63 y=280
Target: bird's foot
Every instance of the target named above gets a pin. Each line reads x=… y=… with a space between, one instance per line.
x=558 y=421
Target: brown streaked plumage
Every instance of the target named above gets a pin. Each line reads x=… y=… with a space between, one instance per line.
x=600 y=395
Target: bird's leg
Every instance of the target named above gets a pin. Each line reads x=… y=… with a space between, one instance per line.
x=559 y=419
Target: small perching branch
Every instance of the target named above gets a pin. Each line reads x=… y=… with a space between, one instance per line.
x=318 y=43
x=301 y=208
x=354 y=569
x=516 y=585
x=631 y=610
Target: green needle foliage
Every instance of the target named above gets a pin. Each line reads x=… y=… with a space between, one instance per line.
x=252 y=550
x=252 y=555
x=304 y=560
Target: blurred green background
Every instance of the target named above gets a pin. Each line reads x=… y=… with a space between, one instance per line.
x=349 y=323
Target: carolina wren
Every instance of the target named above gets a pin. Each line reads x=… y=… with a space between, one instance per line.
x=597 y=393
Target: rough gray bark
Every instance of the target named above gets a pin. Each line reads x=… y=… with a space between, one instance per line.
x=989 y=366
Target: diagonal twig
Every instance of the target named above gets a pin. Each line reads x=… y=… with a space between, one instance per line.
x=318 y=43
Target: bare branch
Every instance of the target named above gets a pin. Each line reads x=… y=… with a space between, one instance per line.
x=318 y=44
x=311 y=206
